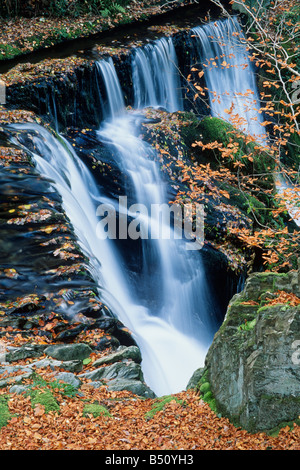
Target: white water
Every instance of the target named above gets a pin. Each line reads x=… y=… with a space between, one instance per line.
x=156 y=80
x=174 y=331
x=169 y=356
x=229 y=75
x=177 y=283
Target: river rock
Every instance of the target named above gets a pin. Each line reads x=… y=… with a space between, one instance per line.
x=127 y=370
x=130 y=352
x=7 y=374
x=24 y=352
x=252 y=367
x=71 y=366
x=135 y=386
x=68 y=378
x=69 y=352
x=126 y=375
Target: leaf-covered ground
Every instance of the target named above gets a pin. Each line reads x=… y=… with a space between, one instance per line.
x=20 y=36
x=182 y=422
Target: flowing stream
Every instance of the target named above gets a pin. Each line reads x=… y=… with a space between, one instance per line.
x=229 y=75
x=171 y=317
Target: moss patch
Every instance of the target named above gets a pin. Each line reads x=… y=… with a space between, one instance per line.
x=95 y=410
x=160 y=403
x=45 y=398
x=4 y=410
x=205 y=391
x=254 y=159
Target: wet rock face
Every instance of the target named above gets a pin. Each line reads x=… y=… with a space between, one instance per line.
x=253 y=363
x=69 y=98
x=70 y=93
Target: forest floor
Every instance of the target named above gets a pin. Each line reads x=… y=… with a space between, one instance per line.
x=19 y=36
x=182 y=422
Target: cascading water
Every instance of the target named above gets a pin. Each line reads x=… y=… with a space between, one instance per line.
x=229 y=75
x=175 y=289
x=113 y=104
x=156 y=81
x=169 y=356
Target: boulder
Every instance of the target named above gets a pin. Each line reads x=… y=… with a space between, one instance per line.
x=130 y=352
x=24 y=352
x=135 y=386
x=127 y=370
x=69 y=352
x=251 y=373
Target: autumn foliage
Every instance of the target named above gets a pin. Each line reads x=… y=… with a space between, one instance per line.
x=264 y=170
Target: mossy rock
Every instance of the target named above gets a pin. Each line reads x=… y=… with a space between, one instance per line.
x=250 y=205
x=257 y=385
x=212 y=129
x=204 y=388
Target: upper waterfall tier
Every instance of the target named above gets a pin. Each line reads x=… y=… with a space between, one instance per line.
x=229 y=75
x=155 y=76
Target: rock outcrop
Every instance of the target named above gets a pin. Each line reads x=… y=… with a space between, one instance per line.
x=252 y=372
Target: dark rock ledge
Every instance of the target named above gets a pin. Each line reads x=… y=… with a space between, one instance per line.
x=51 y=315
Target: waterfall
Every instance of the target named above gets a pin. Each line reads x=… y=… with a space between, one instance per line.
x=169 y=355
x=230 y=78
x=229 y=74
x=172 y=326
x=169 y=312
x=172 y=278
x=113 y=104
x=155 y=76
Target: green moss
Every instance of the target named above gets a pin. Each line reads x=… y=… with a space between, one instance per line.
x=212 y=129
x=205 y=391
x=95 y=410
x=248 y=325
x=64 y=389
x=9 y=52
x=207 y=396
x=205 y=387
x=5 y=415
x=275 y=431
x=267 y=307
x=45 y=398
x=160 y=403
x=215 y=129
x=61 y=8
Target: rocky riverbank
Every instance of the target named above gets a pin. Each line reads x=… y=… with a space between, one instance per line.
x=251 y=372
